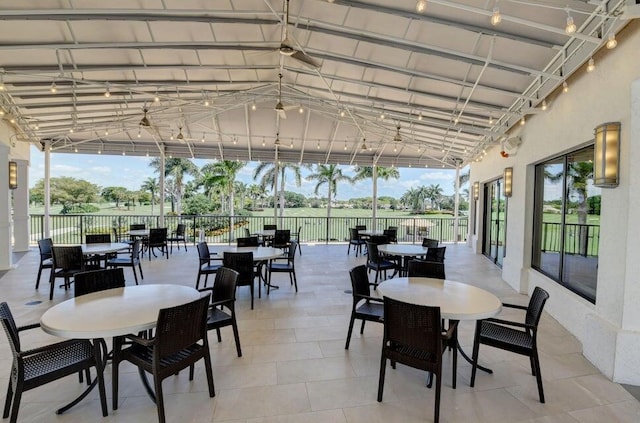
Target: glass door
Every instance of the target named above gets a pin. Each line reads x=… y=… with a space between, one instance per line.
x=495 y=220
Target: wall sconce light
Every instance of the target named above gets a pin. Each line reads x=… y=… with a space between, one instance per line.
x=476 y=190
x=508 y=181
x=606 y=161
x=13 y=175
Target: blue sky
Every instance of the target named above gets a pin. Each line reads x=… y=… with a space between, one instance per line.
x=129 y=172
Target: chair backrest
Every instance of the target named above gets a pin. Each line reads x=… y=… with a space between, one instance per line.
x=247 y=232
x=10 y=328
x=361 y=227
x=435 y=254
x=291 y=253
x=157 y=236
x=415 y=327
x=137 y=226
x=116 y=235
x=97 y=238
x=135 y=250
x=67 y=257
x=429 y=243
x=180 y=229
x=353 y=234
x=224 y=286
x=180 y=327
x=536 y=304
x=372 y=252
x=297 y=234
x=251 y=241
x=241 y=263
x=395 y=228
x=45 y=245
x=391 y=234
x=267 y=227
x=426 y=269
x=360 y=281
x=98 y=280
x=203 y=252
x=378 y=239
x=282 y=238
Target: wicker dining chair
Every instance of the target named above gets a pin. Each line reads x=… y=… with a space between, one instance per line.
x=222 y=310
x=364 y=307
x=429 y=243
x=296 y=237
x=379 y=263
x=178 y=236
x=204 y=264
x=67 y=261
x=180 y=341
x=97 y=280
x=132 y=261
x=251 y=241
x=46 y=257
x=39 y=366
x=243 y=264
x=274 y=266
x=519 y=338
x=413 y=336
x=355 y=241
x=157 y=239
x=435 y=254
x=97 y=259
x=426 y=269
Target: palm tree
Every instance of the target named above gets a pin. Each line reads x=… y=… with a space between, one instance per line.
x=329 y=175
x=177 y=168
x=433 y=193
x=412 y=198
x=257 y=193
x=384 y=173
x=268 y=179
x=223 y=173
x=150 y=185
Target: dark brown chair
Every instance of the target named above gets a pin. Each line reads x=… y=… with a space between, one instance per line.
x=365 y=307
x=223 y=295
x=426 y=269
x=243 y=264
x=435 y=254
x=356 y=241
x=39 y=366
x=379 y=263
x=413 y=337
x=289 y=267
x=392 y=235
x=132 y=261
x=67 y=261
x=180 y=341
x=157 y=239
x=97 y=280
x=519 y=338
x=429 y=243
x=97 y=259
x=296 y=237
x=46 y=257
x=251 y=241
x=205 y=267
x=178 y=236
x=267 y=227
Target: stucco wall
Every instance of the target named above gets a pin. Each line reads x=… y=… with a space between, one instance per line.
x=611 y=327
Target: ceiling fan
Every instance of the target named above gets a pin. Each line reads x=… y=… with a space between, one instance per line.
x=281 y=108
x=286 y=46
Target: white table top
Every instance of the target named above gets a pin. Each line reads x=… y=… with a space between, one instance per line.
x=457 y=300
x=259 y=253
x=113 y=312
x=104 y=248
x=413 y=250
x=367 y=232
x=138 y=232
x=266 y=233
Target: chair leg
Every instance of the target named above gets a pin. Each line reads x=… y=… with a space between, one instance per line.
x=251 y=289
x=295 y=280
x=436 y=411
x=140 y=269
x=192 y=369
x=474 y=356
x=219 y=335
x=52 y=282
x=198 y=281
x=115 y=362
x=362 y=327
x=209 y=371
x=536 y=361
x=236 y=336
x=135 y=275
x=351 y=321
x=159 y=399
x=7 y=402
x=38 y=278
x=17 y=396
x=383 y=366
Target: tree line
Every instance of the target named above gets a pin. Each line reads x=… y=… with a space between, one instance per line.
x=214 y=188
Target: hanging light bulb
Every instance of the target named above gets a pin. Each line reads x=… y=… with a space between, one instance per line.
x=253 y=106
x=202 y=139
x=421 y=6
x=342 y=113
x=490 y=120
x=544 y=105
x=382 y=116
x=156 y=99
x=75 y=149
x=71 y=130
x=591 y=65
x=496 y=17
x=123 y=153
x=107 y=92
x=345 y=146
x=106 y=132
x=263 y=142
x=611 y=41
x=53 y=88
x=207 y=103
x=300 y=110
x=571 y=27
x=235 y=139
x=171 y=137
x=147 y=154
x=318 y=146
x=291 y=143
x=523 y=120
x=99 y=151
x=420 y=116
x=2 y=86
x=139 y=135
x=565 y=87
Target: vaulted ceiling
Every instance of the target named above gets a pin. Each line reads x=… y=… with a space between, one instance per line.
x=362 y=82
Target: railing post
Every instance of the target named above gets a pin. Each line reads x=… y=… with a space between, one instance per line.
x=327 y=232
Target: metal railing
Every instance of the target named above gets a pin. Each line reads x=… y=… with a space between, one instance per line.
x=578 y=239
x=71 y=229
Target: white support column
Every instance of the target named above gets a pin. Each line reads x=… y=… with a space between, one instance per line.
x=162 y=169
x=5 y=210
x=21 y=208
x=47 y=189
x=456 y=207
x=374 y=203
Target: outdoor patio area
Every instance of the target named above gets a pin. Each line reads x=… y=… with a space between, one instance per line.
x=294 y=366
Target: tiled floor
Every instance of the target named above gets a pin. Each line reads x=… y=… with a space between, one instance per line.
x=295 y=368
